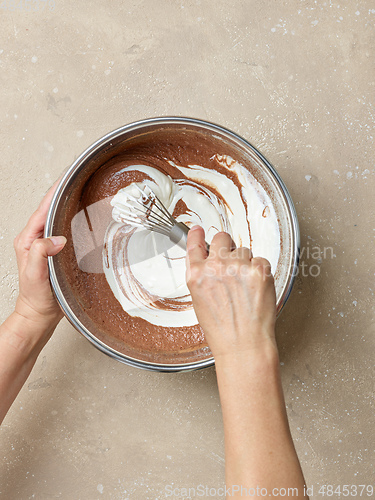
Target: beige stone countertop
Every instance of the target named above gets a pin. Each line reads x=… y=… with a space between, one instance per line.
x=296 y=78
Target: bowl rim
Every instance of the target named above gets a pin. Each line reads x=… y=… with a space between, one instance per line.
x=89 y=151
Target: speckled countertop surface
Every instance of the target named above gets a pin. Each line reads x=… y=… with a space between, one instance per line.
x=297 y=80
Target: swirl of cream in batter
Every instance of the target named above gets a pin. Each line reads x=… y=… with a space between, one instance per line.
x=146 y=272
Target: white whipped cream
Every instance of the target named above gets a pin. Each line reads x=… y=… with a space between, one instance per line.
x=146 y=272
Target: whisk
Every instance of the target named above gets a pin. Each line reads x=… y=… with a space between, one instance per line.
x=149 y=212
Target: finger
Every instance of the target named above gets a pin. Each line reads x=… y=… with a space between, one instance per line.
x=242 y=253
x=46 y=201
x=221 y=245
x=35 y=227
x=261 y=262
x=262 y=265
x=196 y=248
x=37 y=268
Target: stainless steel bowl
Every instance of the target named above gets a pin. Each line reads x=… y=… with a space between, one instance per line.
x=106 y=148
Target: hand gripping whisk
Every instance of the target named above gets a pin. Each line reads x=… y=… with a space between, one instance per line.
x=149 y=212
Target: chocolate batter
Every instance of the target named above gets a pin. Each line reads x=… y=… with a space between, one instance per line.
x=91 y=297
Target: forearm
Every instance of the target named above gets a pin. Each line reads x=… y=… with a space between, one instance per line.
x=259 y=447
x=20 y=344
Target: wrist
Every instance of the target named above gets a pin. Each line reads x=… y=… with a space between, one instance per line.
x=44 y=319
x=27 y=336
x=261 y=355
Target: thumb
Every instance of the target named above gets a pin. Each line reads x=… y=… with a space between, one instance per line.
x=40 y=250
x=58 y=244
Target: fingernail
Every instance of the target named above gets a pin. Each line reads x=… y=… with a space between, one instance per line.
x=58 y=241
x=194 y=228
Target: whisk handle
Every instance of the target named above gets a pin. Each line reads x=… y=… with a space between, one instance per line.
x=178 y=234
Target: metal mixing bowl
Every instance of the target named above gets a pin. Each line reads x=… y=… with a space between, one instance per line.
x=109 y=146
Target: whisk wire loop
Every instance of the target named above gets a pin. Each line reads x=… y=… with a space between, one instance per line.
x=149 y=212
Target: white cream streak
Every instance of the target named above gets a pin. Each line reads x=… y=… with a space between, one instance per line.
x=147 y=274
